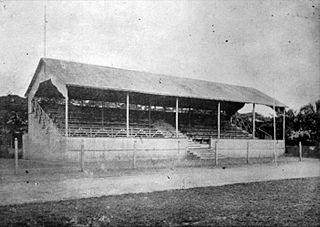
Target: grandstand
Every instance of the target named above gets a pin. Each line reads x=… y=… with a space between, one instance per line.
x=115 y=112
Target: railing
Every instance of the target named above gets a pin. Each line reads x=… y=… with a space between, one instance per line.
x=247 y=126
x=44 y=120
x=96 y=128
x=100 y=131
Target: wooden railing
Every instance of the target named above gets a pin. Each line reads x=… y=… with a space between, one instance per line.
x=100 y=131
x=44 y=120
x=247 y=126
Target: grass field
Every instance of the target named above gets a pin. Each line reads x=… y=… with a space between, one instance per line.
x=286 y=202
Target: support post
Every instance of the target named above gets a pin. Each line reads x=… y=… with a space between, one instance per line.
x=219 y=119
x=102 y=114
x=300 y=151
x=253 y=121
x=127 y=114
x=274 y=134
x=216 y=152
x=15 y=155
x=82 y=156
x=189 y=118
x=66 y=113
x=177 y=117
x=284 y=125
x=248 y=144
x=149 y=118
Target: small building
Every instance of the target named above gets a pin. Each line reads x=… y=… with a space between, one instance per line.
x=119 y=114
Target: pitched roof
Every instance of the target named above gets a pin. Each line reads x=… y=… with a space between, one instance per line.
x=102 y=77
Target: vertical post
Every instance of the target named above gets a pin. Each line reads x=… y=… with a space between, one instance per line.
x=274 y=126
x=300 y=151
x=248 y=152
x=177 y=116
x=127 y=114
x=216 y=152
x=149 y=118
x=102 y=114
x=45 y=30
x=284 y=125
x=15 y=155
x=219 y=120
x=253 y=121
x=82 y=156
x=189 y=118
x=66 y=113
x=274 y=133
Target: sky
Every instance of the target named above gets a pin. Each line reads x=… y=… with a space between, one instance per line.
x=271 y=45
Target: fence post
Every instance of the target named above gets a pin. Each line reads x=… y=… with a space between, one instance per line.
x=15 y=155
x=216 y=153
x=247 y=152
x=134 y=154
x=300 y=151
x=275 y=151
x=82 y=157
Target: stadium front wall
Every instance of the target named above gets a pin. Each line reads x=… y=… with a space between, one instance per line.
x=242 y=148
x=126 y=149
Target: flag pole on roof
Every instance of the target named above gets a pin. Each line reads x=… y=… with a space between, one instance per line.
x=44 y=28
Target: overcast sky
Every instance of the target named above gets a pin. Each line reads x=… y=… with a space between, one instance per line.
x=247 y=42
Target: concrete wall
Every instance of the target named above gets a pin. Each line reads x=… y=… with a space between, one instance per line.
x=43 y=143
x=257 y=148
x=122 y=149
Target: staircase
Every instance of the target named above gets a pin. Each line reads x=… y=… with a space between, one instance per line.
x=202 y=151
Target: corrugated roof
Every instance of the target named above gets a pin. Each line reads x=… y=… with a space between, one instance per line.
x=102 y=77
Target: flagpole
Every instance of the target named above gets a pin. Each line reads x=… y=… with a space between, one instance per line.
x=45 y=29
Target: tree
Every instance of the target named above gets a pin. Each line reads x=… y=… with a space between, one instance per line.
x=304 y=126
x=13 y=120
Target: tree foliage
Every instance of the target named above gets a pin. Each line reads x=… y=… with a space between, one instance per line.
x=304 y=125
x=13 y=114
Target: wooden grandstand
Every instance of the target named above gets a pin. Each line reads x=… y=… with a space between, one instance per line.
x=68 y=101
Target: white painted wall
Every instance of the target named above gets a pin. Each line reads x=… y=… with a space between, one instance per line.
x=257 y=148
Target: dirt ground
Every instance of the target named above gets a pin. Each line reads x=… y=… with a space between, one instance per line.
x=26 y=188
x=294 y=202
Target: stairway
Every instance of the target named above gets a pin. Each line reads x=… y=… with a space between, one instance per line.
x=202 y=151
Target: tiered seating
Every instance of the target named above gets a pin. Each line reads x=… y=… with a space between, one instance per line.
x=204 y=132
x=88 y=122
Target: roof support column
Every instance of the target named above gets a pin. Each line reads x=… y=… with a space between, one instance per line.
x=284 y=124
x=66 y=113
x=274 y=124
x=127 y=106
x=149 y=118
x=275 y=134
x=219 y=112
x=102 y=114
x=253 y=121
x=177 y=116
x=189 y=118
